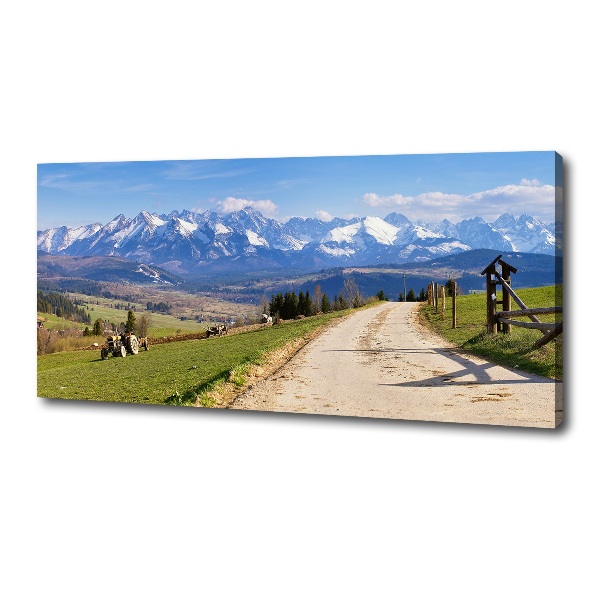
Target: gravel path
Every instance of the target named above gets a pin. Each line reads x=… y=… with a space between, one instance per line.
x=381 y=363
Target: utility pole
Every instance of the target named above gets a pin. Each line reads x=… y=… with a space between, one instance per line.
x=404 y=287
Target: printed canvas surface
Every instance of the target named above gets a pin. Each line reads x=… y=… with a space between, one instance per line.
x=411 y=287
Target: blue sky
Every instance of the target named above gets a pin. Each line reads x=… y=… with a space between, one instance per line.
x=422 y=187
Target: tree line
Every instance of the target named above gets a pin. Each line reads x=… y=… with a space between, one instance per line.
x=161 y=307
x=62 y=306
x=422 y=296
x=291 y=305
x=412 y=297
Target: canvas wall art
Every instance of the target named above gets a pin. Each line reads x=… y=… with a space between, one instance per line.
x=406 y=287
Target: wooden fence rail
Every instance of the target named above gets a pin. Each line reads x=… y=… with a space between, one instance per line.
x=530 y=311
x=549 y=336
x=527 y=325
x=518 y=300
x=505 y=317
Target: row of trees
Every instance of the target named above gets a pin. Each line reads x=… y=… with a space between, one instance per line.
x=123 y=306
x=412 y=297
x=422 y=296
x=161 y=307
x=291 y=305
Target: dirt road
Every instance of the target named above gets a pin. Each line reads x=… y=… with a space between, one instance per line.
x=381 y=363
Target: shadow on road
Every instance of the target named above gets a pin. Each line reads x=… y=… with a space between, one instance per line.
x=468 y=373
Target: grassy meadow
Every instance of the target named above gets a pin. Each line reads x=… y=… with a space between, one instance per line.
x=174 y=373
x=181 y=320
x=512 y=350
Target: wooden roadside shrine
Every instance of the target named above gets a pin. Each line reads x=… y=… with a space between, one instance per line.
x=505 y=317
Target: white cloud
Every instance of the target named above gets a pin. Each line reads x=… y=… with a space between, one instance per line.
x=267 y=207
x=529 y=196
x=439 y=199
x=372 y=199
x=323 y=215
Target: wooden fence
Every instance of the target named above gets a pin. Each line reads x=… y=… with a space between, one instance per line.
x=436 y=296
x=506 y=318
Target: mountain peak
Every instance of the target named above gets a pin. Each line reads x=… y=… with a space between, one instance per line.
x=525 y=218
x=505 y=220
x=397 y=219
x=193 y=240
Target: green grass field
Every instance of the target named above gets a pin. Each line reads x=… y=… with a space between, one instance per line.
x=168 y=373
x=57 y=323
x=161 y=324
x=512 y=350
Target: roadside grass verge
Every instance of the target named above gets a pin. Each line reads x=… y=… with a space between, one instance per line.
x=511 y=350
x=181 y=373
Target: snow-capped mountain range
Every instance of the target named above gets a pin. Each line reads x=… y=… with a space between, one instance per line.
x=188 y=242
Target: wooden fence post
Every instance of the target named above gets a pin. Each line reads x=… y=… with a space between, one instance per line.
x=454 y=305
x=492 y=324
x=490 y=292
x=443 y=295
x=506 y=327
x=435 y=295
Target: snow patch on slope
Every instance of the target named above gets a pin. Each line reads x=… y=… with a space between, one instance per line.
x=255 y=239
x=383 y=232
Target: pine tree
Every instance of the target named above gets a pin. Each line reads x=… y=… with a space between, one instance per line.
x=344 y=304
x=130 y=325
x=449 y=286
x=301 y=304
x=336 y=303
x=305 y=304
x=289 y=309
x=276 y=305
x=97 y=330
x=308 y=305
x=325 y=304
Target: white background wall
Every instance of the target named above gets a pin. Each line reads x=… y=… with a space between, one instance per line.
x=149 y=502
